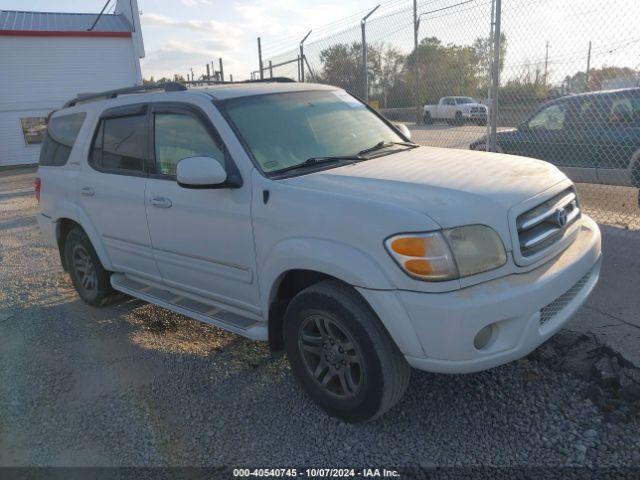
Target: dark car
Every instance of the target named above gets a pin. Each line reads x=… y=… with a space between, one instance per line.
x=592 y=137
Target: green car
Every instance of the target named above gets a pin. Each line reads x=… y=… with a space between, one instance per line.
x=592 y=137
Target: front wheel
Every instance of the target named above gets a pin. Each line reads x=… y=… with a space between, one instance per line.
x=88 y=276
x=635 y=174
x=341 y=353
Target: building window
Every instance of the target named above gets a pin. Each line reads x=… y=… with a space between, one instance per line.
x=33 y=129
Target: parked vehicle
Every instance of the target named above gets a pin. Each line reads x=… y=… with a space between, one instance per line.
x=592 y=137
x=455 y=110
x=295 y=214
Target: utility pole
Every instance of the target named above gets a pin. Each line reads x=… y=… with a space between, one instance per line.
x=546 y=63
x=221 y=69
x=365 y=70
x=461 y=92
x=416 y=68
x=496 y=76
x=487 y=145
x=588 y=67
x=260 y=59
x=270 y=69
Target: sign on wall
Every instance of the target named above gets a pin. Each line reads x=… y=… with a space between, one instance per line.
x=33 y=129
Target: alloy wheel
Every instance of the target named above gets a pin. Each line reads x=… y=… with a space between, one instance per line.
x=84 y=268
x=331 y=356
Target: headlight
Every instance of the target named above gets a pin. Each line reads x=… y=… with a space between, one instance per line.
x=448 y=254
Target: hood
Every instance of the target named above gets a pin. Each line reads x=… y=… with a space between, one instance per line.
x=452 y=187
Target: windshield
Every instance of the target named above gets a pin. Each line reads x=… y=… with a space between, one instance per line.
x=463 y=100
x=285 y=129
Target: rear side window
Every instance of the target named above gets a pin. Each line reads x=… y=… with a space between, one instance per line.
x=120 y=145
x=59 y=139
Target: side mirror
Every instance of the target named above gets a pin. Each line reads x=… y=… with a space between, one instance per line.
x=200 y=172
x=404 y=130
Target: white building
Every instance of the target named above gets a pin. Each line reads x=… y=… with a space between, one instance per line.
x=48 y=58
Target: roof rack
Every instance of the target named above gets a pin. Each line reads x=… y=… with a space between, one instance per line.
x=167 y=87
x=266 y=80
x=205 y=81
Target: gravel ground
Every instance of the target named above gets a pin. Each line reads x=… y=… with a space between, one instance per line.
x=132 y=384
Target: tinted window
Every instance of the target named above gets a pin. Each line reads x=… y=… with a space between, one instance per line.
x=179 y=136
x=120 y=144
x=550 y=118
x=59 y=139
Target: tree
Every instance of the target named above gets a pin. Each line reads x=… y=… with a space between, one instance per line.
x=342 y=67
x=391 y=63
x=600 y=78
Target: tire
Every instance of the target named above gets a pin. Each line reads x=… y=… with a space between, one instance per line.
x=365 y=378
x=458 y=120
x=635 y=174
x=428 y=120
x=482 y=123
x=88 y=276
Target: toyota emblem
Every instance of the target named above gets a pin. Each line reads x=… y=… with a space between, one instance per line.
x=561 y=217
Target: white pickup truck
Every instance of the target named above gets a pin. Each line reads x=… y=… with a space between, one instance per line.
x=455 y=110
x=295 y=214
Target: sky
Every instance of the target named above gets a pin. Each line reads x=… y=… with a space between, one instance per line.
x=183 y=34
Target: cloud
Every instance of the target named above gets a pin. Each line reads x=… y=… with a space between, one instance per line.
x=213 y=27
x=178 y=56
x=194 y=3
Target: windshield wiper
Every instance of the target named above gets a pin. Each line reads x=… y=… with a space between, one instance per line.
x=383 y=144
x=309 y=162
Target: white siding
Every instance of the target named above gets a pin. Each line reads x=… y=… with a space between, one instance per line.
x=39 y=74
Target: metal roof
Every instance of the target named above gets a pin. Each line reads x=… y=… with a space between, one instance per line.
x=19 y=21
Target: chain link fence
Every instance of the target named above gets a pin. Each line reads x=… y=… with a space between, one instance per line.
x=559 y=81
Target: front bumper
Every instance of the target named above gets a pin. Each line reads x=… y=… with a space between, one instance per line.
x=525 y=309
x=475 y=115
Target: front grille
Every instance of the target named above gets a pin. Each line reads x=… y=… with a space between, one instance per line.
x=549 y=311
x=478 y=110
x=542 y=226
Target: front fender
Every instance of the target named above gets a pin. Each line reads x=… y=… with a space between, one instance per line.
x=71 y=211
x=339 y=260
x=351 y=265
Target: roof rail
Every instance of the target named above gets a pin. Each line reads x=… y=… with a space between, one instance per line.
x=266 y=80
x=167 y=87
x=204 y=81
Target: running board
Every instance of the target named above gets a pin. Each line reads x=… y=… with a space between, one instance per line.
x=176 y=302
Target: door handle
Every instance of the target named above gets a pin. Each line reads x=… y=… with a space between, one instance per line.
x=161 y=202
x=87 y=191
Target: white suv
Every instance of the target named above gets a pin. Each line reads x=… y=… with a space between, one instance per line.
x=295 y=214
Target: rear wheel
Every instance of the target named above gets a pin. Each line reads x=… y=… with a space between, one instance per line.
x=341 y=353
x=458 y=120
x=88 y=276
x=428 y=120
